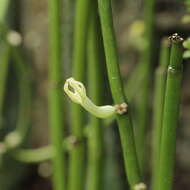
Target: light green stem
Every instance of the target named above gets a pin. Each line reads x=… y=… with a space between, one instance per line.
x=56 y=122
x=3 y=9
x=132 y=90
x=143 y=109
x=77 y=155
x=33 y=155
x=95 y=73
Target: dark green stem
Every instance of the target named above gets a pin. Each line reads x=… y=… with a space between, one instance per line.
x=77 y=162
x=143 y=110
x=159 y=94
x=95 y=138
x=4 y=66
x=16 y=137
x=171 y=116
x=22 y=71
x=56 y=94
x=124 y=121
x=5 y=54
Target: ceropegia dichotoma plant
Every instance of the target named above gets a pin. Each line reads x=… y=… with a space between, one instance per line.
x=77 y=93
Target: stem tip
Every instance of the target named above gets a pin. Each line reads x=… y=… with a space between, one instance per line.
x=176 y=38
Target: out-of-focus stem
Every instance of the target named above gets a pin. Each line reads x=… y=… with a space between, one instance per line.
x=36 y=155
x=159 y=95
x=77 y=155
x=3 y=9
x=56 y=122
x=33 y=155
x=5 y=54
x=24 y=113
x=146 y=60
x=124 y=121
x=5 y=57
x=132 y=90
x=95 y=138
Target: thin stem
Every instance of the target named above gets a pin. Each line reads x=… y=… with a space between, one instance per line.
x=124 y=121
x=56 y=94
x=33 y=155
x=4 y=66
x=143 y=110
x=160 y=84
x=22 y=71
x=68 y=18
x=77 y=162
x=95 y=138
x=137 y=76
x=3 y=9
x=171 y=116
x=41 y=154
x=5 y=55
x=16 y=137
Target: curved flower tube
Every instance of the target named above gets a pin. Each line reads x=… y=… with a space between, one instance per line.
x=77 y=93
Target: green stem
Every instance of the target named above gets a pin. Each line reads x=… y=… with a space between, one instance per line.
x=4 y=66
x=24 y=112
x=95 y=138
x=143 y=110
x=124 y=121
x=56 y=94
x=36 y=155
x=16 y=137
x=171 y=116
x=131 y=89
x=77 y=162
x=4 y=4
x=160 y=84
x=33 y=155
x=5 y=54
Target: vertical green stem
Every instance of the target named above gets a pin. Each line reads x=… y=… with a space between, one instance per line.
x=124 y=121
x=160 y=84
x=171 y=116
x=77 y=162
x=56 y=94
x=95 y=140
x=22 y=71
x=4 y=55
x=131 y=89
x=3 y=9
x=4 y=65
x=149 y=19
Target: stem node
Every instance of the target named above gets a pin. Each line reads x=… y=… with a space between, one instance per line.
x=173 y=70
x=73 y=141
x=121 y=108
